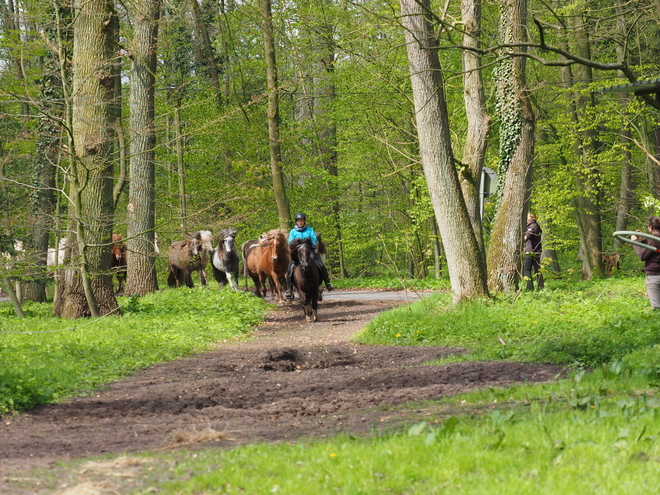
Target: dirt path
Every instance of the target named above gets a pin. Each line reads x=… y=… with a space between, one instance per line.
x=294 y=379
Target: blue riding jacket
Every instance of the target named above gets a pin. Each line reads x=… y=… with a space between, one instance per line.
x=303 y=233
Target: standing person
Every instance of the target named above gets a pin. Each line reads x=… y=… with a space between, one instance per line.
x=533 y=250
x=304 y=231
x=651 y=261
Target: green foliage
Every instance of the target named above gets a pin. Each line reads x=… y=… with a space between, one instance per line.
x=581 y=323
x=389 y=282
x=43 y=358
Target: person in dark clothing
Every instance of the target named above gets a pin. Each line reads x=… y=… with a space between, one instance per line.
x=533 y=250
x=651 y=261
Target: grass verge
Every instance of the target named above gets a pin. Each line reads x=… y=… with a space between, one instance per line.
x=44 y=358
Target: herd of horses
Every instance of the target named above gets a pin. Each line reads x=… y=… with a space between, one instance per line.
x=265 y=261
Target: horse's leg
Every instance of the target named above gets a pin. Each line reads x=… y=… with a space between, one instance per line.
x=278 y=288
x=230 y=279
x=202 y=276
x=257 y=285
x=187 y=278
x=315 y=306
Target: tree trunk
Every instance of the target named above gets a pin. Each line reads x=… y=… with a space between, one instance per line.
x=587 y=177
x=45 y=166
x=180 y=167
x=88 y=290
x=478 y=120
x=626 y=193
x=465 y=261
x=516 y=152
x=209 y=58
x=281 y=199
x=141 y=202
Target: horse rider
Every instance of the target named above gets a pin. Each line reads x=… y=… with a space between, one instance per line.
x=303 y=231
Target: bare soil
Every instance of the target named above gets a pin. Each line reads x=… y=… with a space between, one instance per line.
x=292 y=380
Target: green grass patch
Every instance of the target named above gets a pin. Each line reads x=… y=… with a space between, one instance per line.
x=586 y=434
x=390 y=282
x=44 y=358
x=586 y=324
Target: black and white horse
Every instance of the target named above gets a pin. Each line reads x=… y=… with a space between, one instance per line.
x=224 y=259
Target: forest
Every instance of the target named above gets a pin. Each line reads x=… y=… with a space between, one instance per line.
x=378 y=119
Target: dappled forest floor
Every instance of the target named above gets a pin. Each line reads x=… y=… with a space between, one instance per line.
x=292 y=380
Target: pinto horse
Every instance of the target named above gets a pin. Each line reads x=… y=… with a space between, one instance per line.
x=188 y=256
x=274 y=263
x=224 y=259
x=306 y=277
x=118 y=263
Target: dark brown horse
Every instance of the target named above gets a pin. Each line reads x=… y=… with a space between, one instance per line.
x=118 y=262
x=274 y=262
x=188 y=256
x=306 y=277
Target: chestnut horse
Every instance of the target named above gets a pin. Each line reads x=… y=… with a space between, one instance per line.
x=118 y=262
x=306 y=277
x=251 y=251
x=274 y=263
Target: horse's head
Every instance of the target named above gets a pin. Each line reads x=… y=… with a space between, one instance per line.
x=118 y=249
x=303 y=249
x=195 y=244
x=227 y=239
x=275 y=241
x=207 y=240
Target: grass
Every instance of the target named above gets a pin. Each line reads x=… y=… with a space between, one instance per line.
x=536 y=451
x=587 y=434
x=45 y=359
x=389 y=282
x=581 y=324
x=597 y=431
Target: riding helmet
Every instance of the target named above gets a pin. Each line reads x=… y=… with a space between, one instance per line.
x=300 y=215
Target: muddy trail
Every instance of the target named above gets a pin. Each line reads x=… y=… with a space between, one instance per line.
x=291 y=380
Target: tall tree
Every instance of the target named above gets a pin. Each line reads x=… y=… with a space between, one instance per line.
x=317 y=105
x=274 y=144
x=465 y=262
x=88 y=290
x=474 y=152
x=209 y=59
x=516 y=150
x=141 y=202
x=588 y=176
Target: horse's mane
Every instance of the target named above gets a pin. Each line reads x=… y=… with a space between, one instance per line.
x=228 y=232
x=205 y=237
x=320 y=245
x=297 y=243
x=272 y=235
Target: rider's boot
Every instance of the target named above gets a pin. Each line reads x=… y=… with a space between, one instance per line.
x=326 y=279
x=289 y=283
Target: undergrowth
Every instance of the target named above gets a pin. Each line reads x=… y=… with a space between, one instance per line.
x=44 y=358
x=583 y=324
